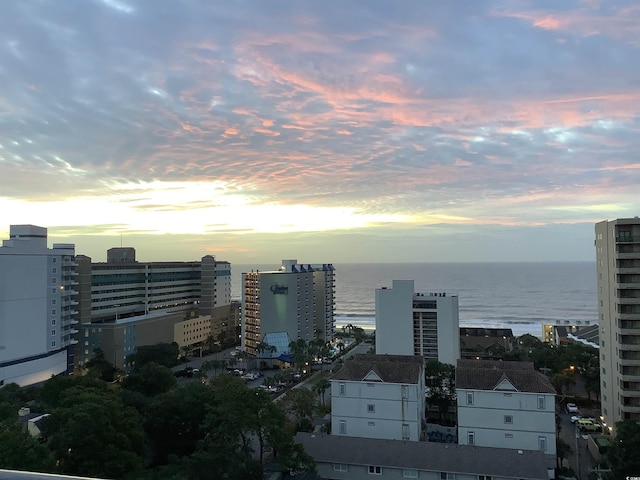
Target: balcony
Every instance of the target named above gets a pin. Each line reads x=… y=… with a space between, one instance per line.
x=628 y=239
x=630 y=409
x=629 y=362
x=629 y=300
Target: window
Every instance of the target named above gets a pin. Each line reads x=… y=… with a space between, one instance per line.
x=542 y=443
x=54 y=270
x=541 y=402
x=53 y=344
x=53 y=311
x=342 y=427
x=371 y=408
x=343 y=389
x=371 y=424
x=447 y=476
x=53 y=301
x=53 y=321
x=508 y=419
x=405 y=431
x=54 y=280
x=375 y=470
x=340 y=467
x=485 y=477
x=469 y=398
x=404 y=390
x=471 y=438
x=508 y=435
x=409 y=474
x=55 y=259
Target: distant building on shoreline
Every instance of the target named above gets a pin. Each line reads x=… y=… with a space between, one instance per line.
x=297 y=300
x=409 y=323
x=38 y=307
x=617 y=245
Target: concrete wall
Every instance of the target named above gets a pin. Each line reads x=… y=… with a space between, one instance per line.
x=394 y=319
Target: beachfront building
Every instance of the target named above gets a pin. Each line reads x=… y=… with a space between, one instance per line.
x=379 y=396
x=409 y=323
x=617 y=245
x=505 y=405
x=38 y=313
x=125 y=303
x=296 y=300
x=342 y=457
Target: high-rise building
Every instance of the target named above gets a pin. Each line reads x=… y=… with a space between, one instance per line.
x=618 y=268
x=297 y=300
x=409 y=323
x=38 y=308
x=125 y=303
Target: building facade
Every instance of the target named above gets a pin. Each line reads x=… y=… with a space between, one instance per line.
x=124 y=303
x=297 y=300
x=351 y=458
x=617 y=245
x=379 y=396
x=505 y=405
x=409 y=323
x=38 y=306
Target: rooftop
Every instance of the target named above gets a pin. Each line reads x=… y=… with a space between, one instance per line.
x=389 y=368
x=426 y=456
x=491 y=375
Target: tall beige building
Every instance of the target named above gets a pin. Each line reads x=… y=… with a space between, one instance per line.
x=618 y=268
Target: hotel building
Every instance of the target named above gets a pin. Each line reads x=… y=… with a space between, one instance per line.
x=38 y=307
x=297 y=300
x=125 y=303
x=618 y=268
x=409 y=323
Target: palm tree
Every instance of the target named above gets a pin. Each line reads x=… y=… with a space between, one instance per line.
x=322 y=385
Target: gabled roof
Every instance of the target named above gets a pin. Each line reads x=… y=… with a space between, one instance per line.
x=499 y=375
x=428 y=456
x=382 y=368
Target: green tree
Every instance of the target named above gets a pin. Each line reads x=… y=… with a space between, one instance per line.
x=322 y=386
x=623 y=454
x=152 y=379
x=300 y=352
x=92 y=433
x=100 y=367
x=563 y=450
x=299 y=402
x=19 y=451
x=440 y=383
x=165 y=354
x=174 y=420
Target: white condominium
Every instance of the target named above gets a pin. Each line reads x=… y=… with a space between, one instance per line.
x=297 y=300
x=618 y=269
x=409 y=323
x=37 y=306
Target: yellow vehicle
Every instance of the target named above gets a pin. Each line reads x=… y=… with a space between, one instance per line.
x=588 y=425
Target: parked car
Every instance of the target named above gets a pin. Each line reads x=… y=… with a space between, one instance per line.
x=572 y=408
x=588 y=425
x=575 y=418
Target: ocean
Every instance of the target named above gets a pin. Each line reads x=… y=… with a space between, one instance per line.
x=520 y=296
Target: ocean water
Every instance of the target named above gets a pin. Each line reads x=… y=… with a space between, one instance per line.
x=520 y=296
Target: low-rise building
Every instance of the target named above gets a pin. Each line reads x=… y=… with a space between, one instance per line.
x=339 y=457
x=505 y=405
x=379 y=396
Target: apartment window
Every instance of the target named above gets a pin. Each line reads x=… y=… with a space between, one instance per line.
x=371 y=408
x=54 y=259
x=53 y=321
x=604 y=370
x=542 y=443
x=405 y=431
x=409 y=473
x=53 y=332
x=404 y=390
x=54 y=280
x=53 y=311
x=54 y=270
x=541 y=402
x=340 y=467
x=342 y=427
x=469 y=398
x=447 y=476
x=471 y=438
x=508 y=435
x=53 y=344
x=371 y=424
x=508 y=419
x=604 y=384
x=375 y=470
x=53 y=301
x=343 y=389
x=485 y=477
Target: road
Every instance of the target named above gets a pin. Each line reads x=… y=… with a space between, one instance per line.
x=578 y=444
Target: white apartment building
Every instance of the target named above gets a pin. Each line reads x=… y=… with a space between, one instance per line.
x=379 y=396
x=409 y=323
x=297 y=300
x=617 y=245
x=37 y=306
x=505 y=405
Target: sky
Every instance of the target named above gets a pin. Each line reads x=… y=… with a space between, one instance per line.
x=326 y=131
